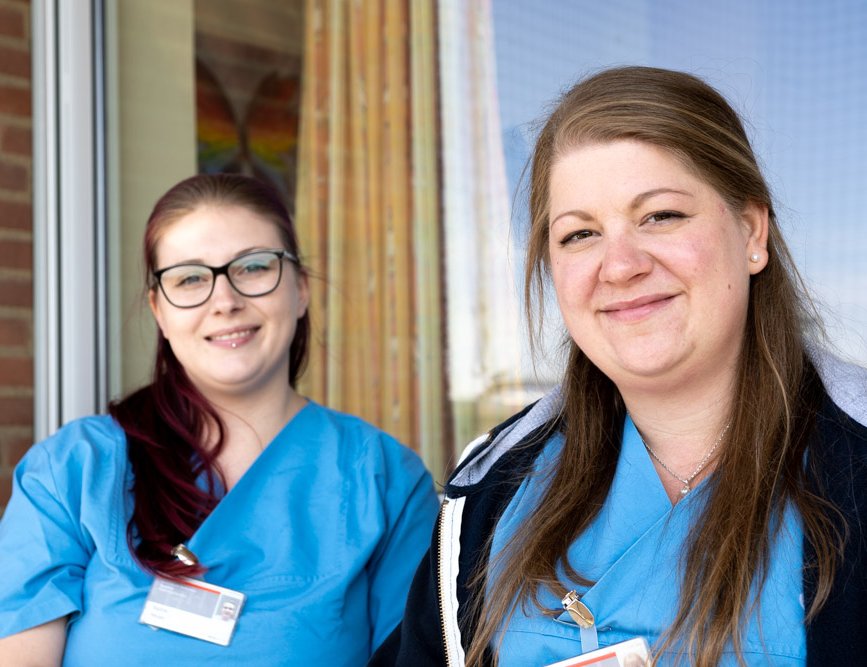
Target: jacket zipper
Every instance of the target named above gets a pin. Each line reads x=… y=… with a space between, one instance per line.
x=440 y=575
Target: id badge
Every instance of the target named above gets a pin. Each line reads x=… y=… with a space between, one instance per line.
x=631 y=653
x=194 y=608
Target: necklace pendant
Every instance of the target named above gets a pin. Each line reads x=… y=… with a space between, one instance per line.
x=684 y=490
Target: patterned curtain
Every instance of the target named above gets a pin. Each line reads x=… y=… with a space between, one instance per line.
x=367 y=209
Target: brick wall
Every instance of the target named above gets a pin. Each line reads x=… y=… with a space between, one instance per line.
x=16 y=233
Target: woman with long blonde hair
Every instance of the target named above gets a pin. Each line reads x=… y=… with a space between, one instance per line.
x=697 y=478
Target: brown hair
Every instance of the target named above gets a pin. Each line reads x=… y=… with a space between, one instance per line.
x=776 y=396
x=165 y=421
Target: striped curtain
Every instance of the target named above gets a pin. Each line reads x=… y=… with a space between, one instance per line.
x=367 y=210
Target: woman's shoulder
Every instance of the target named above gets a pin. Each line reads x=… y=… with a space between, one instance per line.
x=839 y=449
x=845 y=383
x=356 y=437
x=342 y=421
x=843 y=436
x=367 y=461
x=86 y=450
x=512 y=445
x=347 y=426
x=96 y=436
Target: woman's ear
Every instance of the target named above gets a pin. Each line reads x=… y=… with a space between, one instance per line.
x=303 y=292
x=755 y=221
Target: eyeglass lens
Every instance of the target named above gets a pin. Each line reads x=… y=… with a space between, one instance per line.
x=190 y=285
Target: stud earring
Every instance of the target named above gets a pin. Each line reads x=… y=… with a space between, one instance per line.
x=754 y=257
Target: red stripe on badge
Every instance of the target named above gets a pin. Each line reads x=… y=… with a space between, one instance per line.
x=593 y=661
x=203 y=588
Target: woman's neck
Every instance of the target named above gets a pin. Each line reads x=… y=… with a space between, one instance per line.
x=250 y=424
x=683 y=430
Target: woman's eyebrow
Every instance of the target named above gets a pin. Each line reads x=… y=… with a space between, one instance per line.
x=234 y=256
x=639 y=199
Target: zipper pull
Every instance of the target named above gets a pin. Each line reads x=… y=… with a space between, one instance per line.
x=579 y=612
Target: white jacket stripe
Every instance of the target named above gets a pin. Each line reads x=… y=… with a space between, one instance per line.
x=450 y=550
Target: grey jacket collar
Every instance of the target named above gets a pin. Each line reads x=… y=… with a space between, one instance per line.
x=846 y=384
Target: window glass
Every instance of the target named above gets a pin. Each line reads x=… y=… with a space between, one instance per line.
x=203 y=86
x=794 y=70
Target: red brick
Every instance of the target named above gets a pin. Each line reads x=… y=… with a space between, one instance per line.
x=16 y=215
x=12 y=23
x=15 y=62
x=15 y=100
x=16 y=372
x=16 y=254
x=15 y=332
x=13 y=448
x=16 y=411
x=16 y=140
x=16 y=293
x=5 y=488
x=14 y=177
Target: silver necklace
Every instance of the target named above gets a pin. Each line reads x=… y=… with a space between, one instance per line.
x=687 y=481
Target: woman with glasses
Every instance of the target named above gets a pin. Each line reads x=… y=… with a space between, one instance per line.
x=216 y=516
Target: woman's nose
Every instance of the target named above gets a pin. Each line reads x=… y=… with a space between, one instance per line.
x=624 y=258
x=225 y=297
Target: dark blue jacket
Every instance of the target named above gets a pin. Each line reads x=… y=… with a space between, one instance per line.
x=438 y=625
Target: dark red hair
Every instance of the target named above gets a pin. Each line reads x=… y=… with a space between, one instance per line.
x=176 y=484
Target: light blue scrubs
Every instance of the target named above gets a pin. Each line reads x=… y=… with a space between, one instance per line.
x=322 y=534
x=633 y=550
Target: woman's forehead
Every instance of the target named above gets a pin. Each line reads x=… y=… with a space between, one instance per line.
x=211 y=231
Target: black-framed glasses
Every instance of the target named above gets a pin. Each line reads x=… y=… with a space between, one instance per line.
x=253 y=274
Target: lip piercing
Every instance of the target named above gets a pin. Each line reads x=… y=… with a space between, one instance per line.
x=234 y=345
x=754 y=257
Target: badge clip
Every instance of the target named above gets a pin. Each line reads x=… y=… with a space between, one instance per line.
x=184 y=555
x=579 y=612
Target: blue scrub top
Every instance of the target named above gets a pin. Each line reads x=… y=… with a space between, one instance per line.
x=633 y=551
x=322 y=534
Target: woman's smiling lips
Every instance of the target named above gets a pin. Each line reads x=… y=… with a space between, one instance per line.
x=636 y=309
x=233 y=338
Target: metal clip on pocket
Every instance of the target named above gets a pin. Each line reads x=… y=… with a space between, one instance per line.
x=583 y=618
x=577 y=610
